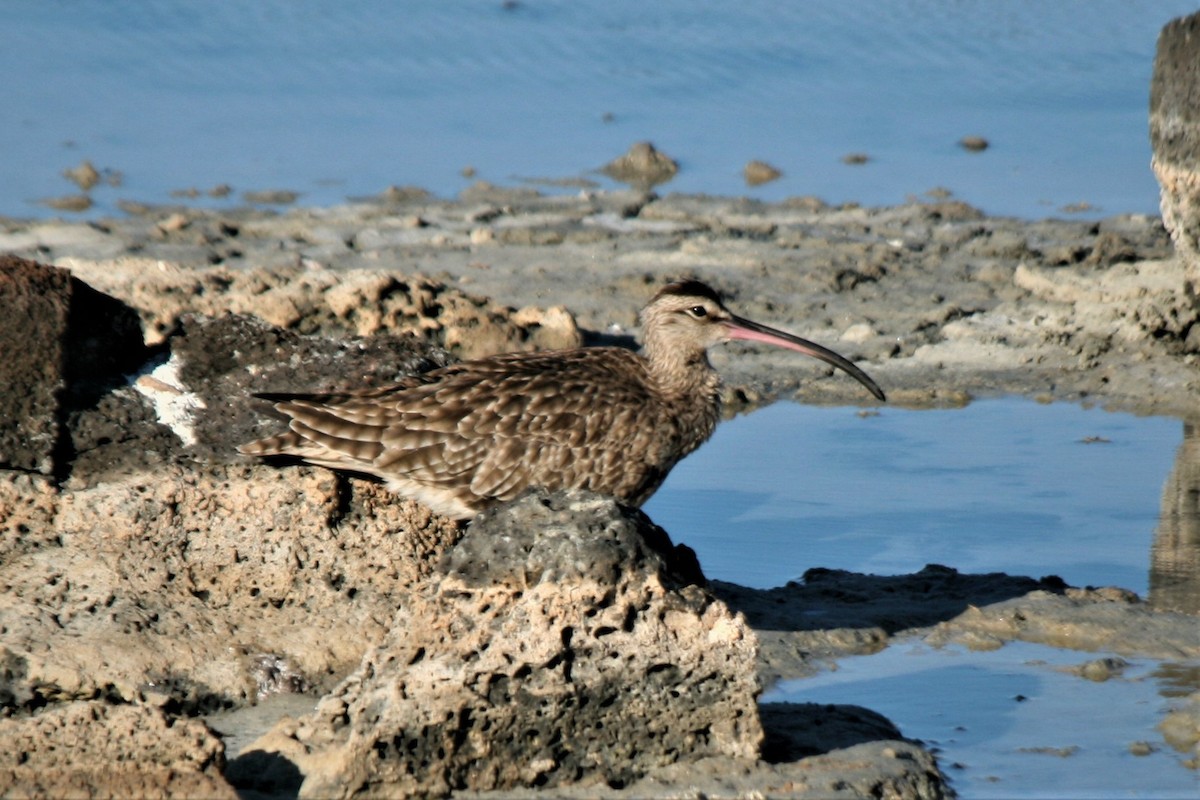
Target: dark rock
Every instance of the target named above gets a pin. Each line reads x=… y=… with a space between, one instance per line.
x=205 y=392
x=65 y=345
x=833 y=613
x=225 y=361
x=593 y=546
x=36 y=301
x=798 y=730
x=104 y=345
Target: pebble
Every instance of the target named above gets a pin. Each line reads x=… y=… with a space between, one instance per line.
x=757 y=173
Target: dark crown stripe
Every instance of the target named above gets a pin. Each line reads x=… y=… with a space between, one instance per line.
x=689 y=288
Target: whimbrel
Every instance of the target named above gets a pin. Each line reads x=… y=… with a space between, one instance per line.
x=467 y=436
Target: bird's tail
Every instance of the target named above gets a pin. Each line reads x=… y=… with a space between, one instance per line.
x=283 y=444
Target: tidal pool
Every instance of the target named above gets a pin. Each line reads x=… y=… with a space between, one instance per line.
x=1004 y=485
x=1018 y=722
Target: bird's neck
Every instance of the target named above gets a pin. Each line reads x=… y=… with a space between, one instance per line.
x=681 y=372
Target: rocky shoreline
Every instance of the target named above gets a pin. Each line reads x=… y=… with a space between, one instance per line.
x=943 y=302
x=164 y=598
x=191 y=584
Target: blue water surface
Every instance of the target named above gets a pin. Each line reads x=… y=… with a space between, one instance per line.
x=1006 y=485
x=336 y=100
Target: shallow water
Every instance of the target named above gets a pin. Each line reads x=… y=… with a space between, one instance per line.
x=340 y=100
x=1006 y=485
x=1012 y=723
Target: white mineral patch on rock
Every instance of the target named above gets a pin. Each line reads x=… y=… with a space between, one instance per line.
x=173 y=403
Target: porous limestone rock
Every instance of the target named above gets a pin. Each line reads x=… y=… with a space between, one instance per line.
x=311 y=299
x=203 y=584
x=98 y=750
x=565 y=640
x=1175 y=134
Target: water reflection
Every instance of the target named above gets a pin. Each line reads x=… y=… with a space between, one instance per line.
x=1175 y=551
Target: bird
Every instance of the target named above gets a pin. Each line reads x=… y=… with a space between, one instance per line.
x=467 y=436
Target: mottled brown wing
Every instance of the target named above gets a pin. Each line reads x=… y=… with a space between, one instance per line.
x=338 y=428
x=515 y=422
x=493 y=427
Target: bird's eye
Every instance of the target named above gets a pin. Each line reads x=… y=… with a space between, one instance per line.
x=698 y=311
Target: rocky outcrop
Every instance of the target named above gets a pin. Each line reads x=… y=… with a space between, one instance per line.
x=160 y=561
x=146 y=568
x=205 y=585
x=149 y=575
x=1175 y=134
x=95 y=749
x=37 y=302
x=64 y=344
x=307 y=298
x=565 y=640
x=153 y=576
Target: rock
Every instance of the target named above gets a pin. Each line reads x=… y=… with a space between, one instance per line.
x=795 y=731
x=1105 y=619
x=104 y=343
x=1102 y=669
x=271 y=197
x=1181 y=728
x=833 y=613
x=69 y=202
x=51 y=241
x=94 y=749
x=85 y=176
x=1175 y=134
x=206 y=585
x=64 y=345
x=1131 y=302
x=28 y=505
x=564 y=640
x=858 y=333
x=974 y=144
x=643 y=166
x=162 y=564
x=320 y=300
x=757 y=173
x=37 y=301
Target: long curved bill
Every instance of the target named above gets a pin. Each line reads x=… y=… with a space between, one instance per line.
x=749 y=330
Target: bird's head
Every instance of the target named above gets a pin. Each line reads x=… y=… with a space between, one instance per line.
x=687 y=317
